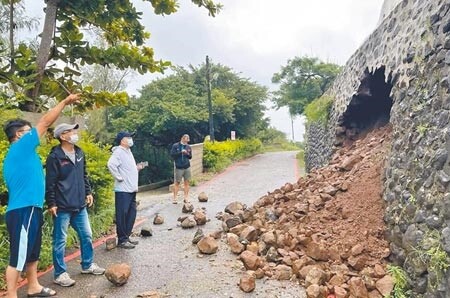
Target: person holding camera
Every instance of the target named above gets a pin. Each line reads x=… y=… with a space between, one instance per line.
x=181 y=153
x=125 y=171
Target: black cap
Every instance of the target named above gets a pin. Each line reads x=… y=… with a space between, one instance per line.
x=123 y=134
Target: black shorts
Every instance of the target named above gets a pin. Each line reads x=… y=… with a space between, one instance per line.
x=24 y=226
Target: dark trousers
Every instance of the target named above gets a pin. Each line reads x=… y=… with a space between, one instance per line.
x=125 y=214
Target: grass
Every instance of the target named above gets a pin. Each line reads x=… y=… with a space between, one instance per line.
x=400 y=282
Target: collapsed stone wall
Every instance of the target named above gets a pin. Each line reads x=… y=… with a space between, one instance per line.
x=412 y=48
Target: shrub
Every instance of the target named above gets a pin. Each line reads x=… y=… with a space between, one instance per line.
x=218 y=155
x=319 y=109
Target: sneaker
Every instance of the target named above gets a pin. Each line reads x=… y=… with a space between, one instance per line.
x=94 y=269
x=64 y=280
x=132 y=241
x=126 y=245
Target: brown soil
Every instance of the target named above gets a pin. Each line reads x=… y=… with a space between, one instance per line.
x=332 y=218
x=354 y=216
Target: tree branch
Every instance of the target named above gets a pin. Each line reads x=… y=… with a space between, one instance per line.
x=46 y=43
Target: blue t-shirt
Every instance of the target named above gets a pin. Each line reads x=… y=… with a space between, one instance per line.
x=23 y=173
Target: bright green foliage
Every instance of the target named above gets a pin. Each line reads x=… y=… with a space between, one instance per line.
x=318 y=110
x=302 y=80
x=271 y=136
x=432 y=253
x=101 y=214
x=177 y=104
x=400 y=282
x=219 y=155
x=54 y=68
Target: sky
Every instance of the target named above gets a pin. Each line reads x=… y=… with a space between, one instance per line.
x=255 y=38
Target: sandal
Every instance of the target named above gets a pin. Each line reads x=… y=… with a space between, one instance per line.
x=45 y=292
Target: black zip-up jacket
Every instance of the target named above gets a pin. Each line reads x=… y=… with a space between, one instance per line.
x=181 y=160
x=66 y=183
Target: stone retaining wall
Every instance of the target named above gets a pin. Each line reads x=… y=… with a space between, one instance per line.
x=413 y=46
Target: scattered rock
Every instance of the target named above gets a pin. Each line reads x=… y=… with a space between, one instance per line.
x=247 y=283
x=202 y=197
x=385 y=285
x=158 y=220
x=253 y=247
x=146 y=231
x=327 y=229
x=200 y=217
x=357 y=249
x=357 y=287
x=249 y=233
x=198 y=236
x=187 y=208
x=111 y=243
x=216 y=234
x=233 y=221
x=208 y=245
x=188 y=222
x=283 y=272
x=234 y=208
x=235 y=246
x=350 y=162
x=118 y=274
x=250 y=260
x=315 y=276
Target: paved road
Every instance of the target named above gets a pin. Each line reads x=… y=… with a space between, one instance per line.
x=169 y=263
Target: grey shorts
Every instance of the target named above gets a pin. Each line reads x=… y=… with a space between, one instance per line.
x=182 y=173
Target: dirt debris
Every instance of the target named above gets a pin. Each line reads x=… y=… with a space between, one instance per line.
x=327 y=229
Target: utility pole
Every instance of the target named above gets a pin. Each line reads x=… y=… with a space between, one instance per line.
x=208 y=83
x=292 y=127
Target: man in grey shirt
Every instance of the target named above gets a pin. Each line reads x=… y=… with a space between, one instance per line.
x=125 y=171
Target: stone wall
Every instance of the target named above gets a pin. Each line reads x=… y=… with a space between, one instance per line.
x=412 y=45
x=197 y=159
x=387 y=8
x=317 y=151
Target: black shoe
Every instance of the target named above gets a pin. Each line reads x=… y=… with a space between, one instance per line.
x=134 y=242
x=126 y=245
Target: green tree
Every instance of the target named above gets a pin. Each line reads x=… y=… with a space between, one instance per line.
x=301 y=81
x=53 y=69
x=176 y=104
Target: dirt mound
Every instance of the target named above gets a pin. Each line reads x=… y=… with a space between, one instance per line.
x=326 y=230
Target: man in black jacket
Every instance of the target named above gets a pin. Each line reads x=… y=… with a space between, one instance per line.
x=181 y=152
x=68 y=194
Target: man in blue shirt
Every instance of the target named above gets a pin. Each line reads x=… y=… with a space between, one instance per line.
x=24 y=178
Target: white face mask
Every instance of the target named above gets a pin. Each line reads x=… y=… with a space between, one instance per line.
x=130 y=142
x=74 y=139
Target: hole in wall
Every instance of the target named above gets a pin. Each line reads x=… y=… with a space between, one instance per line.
x=369 y=108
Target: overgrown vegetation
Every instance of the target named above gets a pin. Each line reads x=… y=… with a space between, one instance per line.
x=301 y=158
x=319 y=110
x=219 y=155
x=275 y=140
x=400 y=282
x=431 y=252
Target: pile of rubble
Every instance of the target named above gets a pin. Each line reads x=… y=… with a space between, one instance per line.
x=326 y=230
